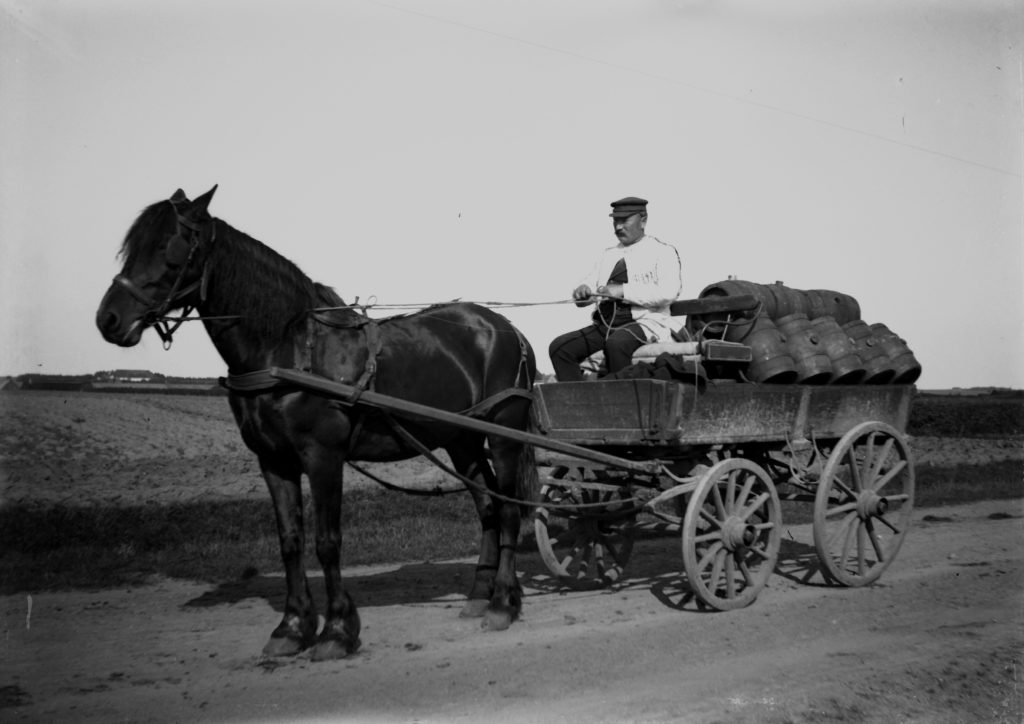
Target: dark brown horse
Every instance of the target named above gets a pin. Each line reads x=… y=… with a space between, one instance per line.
x=257 y=308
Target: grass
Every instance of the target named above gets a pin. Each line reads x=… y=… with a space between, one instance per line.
x=96 y=547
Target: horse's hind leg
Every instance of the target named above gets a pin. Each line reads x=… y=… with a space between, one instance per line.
x=469 y=460
x=297 y=629
x=506 y=600
x=496 y=594
x=340 y=635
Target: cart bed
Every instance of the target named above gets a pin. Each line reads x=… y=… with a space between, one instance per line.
x=659 y=412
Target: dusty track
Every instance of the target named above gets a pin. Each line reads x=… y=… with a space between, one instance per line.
x=939 y=639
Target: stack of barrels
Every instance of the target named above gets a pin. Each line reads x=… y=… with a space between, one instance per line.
x=813 y=337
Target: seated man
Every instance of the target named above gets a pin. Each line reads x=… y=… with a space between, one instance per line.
x=633 y=283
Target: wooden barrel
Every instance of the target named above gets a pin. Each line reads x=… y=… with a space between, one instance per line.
x=788 y=301
x=813 y=366
x=877 y=370
x=906 y=368
x=827 y=303
x=847 y=367
x=770 y=359
x=735 y=287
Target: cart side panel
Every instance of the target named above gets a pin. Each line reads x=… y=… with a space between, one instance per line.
x=835 y=410
x=610 y=412
x=743 y=413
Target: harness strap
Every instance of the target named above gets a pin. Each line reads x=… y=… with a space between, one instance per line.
x=374 y=345
x=484 y=406
x=258 y=381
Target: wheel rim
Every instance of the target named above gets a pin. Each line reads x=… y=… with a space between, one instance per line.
x=583 y=551
x=731 y=534
x=863 y=505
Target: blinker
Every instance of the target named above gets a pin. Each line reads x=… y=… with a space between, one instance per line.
x=177 y=251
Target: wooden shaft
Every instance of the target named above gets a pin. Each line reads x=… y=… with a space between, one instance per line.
x=386 y=402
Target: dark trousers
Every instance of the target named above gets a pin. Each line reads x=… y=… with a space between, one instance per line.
x=568 y=350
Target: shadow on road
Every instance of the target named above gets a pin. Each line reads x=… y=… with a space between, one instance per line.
x=656 y=565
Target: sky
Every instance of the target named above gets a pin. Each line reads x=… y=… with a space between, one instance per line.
x=412 y=152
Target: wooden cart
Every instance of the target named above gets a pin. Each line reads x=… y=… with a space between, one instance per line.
x=728 y=453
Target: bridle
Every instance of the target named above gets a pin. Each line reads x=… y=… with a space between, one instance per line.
x=156 y=311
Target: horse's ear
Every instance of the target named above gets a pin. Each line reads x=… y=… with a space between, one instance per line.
x=178 y=196
x=203 y=201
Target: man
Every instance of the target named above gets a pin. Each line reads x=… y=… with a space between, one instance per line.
x=633 y=284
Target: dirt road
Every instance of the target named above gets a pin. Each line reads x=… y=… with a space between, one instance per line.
x=938 y=639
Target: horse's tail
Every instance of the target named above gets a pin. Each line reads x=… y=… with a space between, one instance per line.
x=528 y=481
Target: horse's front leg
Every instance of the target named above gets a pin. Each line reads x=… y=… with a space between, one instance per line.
x=297 y=629
x=340 y=635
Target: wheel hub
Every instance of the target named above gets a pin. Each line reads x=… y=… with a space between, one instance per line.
x=737 y=533
x=871 y=505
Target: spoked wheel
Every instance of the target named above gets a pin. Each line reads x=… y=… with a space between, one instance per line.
x=585 y=547
x=863 y=505
x=731 y=534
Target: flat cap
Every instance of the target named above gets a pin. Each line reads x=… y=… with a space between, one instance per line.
x=628 y=206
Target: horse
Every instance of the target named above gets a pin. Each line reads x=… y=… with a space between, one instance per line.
x=261 y=311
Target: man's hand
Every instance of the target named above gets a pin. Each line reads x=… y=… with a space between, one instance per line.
x=612 y=290
x=582 y=295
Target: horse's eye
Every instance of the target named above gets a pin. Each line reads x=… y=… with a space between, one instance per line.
x=177 y=251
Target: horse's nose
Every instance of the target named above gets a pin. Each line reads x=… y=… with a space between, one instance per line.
x=107 y=321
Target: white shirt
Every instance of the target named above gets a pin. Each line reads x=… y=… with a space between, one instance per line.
x=655 y=280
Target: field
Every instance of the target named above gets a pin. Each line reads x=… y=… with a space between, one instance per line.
x=135 y=532
x=82 y=449
x=102 y=488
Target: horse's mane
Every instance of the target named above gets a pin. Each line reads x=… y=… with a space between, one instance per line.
x=269 y=289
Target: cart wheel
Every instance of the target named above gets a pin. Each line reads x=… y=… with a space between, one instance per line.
x=584 y=548
x=863 y=505
x=731 y=534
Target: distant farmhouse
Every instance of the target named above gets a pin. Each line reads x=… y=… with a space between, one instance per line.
x=116 y=381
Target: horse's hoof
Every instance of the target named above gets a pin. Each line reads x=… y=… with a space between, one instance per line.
x=474 y=608
x=283 y=646
x=334 y=649
x=496 y=620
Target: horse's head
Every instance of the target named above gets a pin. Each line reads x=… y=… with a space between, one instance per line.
x=164 y=255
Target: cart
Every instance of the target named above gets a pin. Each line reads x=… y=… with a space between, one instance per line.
x=728 y=454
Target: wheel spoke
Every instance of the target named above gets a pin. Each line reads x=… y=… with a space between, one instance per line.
x=716 y=494
x=759 y=553
x=614 y=547
x=730 y=576
x=840 y=509
x=889 y=475
x=843 y=488
x=709 y=556
x=716 y=570
x=730 y=491
x=876 y=543
x=862 y=565
x=854 y=468
x=879 y=461
x=885 y=521
x=841 y=532
x=745 y=492
x=715 y=535
x=757 y=503
x=747 y=576
x=707 y=517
